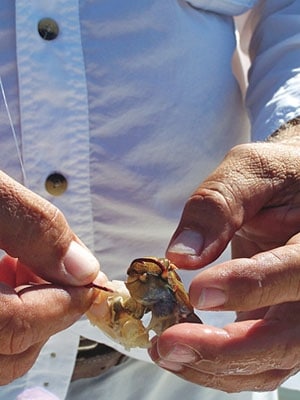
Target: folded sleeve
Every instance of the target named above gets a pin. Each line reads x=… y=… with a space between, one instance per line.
x=273 y=95
x=224 y=7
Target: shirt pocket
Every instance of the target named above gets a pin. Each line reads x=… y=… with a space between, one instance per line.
x=226 y=7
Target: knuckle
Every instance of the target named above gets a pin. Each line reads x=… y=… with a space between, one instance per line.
x=19 y=335
x=47 y=237
x=254 y=162
x=16 y=334
x=241 y=154
x=217 y=202
x=55 y=229
x=49 y=222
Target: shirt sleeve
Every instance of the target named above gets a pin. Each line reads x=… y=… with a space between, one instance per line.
x=273 y=94
x=225 y=7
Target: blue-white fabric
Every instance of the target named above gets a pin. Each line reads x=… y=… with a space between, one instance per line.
x=135 y=102
x=225 y=7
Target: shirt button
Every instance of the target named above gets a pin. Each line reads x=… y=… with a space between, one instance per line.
x=48 y=28
x=56 y=184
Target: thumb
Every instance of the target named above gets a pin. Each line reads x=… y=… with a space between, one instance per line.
x=36 y=232
x=250 y=177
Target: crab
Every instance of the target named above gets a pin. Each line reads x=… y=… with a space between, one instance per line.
x=152 y=286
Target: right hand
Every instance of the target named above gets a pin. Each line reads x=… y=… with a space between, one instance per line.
x=40 y=248
x=253 y=198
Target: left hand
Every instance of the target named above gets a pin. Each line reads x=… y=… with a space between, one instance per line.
x=40 y=246
x=253 y=199
x=31 y=312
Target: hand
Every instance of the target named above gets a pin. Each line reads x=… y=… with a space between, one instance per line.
x=252 y=198
x=41 y=248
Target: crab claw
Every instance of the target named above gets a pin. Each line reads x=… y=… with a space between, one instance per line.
x=110 y=313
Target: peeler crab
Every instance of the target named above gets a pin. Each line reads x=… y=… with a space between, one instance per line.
x=152 y=287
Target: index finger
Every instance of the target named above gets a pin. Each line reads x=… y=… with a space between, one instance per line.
x=36 y=232
x=37 y=312
x=244 y=284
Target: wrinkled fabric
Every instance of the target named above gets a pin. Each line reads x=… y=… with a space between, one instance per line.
x=135 y=103
x=36 y=393
x=161 y=385
x=275 y=46
x=226 y=7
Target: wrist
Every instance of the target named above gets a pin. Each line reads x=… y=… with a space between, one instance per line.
x=289 y=133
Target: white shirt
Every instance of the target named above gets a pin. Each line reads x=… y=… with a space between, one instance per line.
x=134 y=103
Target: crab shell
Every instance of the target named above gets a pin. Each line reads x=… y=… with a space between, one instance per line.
x=154 y=283
x=153 y=287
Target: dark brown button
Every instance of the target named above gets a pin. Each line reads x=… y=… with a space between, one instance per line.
x=56 y=184
x=48 y=28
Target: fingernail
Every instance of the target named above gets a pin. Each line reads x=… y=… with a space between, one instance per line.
x=101 y=279
x=182 y=353
x=187 y=242
x=80 y=263
x=211 y=297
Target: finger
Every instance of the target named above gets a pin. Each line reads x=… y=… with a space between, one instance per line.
x=230 y=383
x=250 y=178
x=18 y=364
x=266 y=279
x=226 y=381
x=8 y=270
x=36 y=232
x=37 y=312
x=24 y=275
x=241 y=349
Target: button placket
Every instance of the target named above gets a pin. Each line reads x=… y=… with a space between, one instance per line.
x=55 y=134
x=54 y=106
